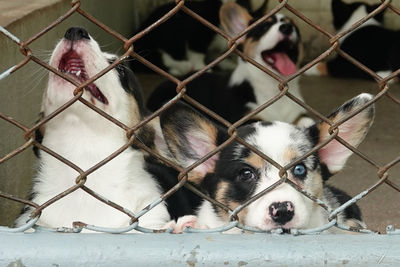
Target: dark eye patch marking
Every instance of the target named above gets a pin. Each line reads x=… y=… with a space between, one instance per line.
x=257 y=32
x=240 y=189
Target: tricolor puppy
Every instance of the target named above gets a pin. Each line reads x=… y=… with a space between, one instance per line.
x=85 y=138
x=274 y=44
x=371 y=43
x=235 y=174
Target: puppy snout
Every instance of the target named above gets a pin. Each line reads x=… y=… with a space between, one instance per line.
x=76 y=33
x=281 y=212
x=286 y=28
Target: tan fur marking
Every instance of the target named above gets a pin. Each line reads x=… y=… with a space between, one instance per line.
x=322 y=68
x=289 y=154
x=174 y=143
x=134 y=111
x=208 y=128
x=222 y=187
x=353 y=223
x=220 y=197
x=249 y=47
x=316 y=185
x=324 y=130
x=195 y=177
x=255 y=160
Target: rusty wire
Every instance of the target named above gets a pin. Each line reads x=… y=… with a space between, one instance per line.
x=232 y=44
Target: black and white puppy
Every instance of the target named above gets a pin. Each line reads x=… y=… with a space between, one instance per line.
x=85 y=138
x=275 y=45
x=235 y=174
x=371 y=43
x=182 y=44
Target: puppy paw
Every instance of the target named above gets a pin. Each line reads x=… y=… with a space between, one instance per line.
x=169 y=225
x=185 y=221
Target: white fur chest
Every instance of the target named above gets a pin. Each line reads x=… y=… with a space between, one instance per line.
x=122 y=180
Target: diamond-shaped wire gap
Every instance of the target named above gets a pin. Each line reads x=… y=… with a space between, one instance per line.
x=53 y=24
x=10 y=169
x=12 y=205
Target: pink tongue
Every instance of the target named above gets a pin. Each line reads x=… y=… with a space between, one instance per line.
x=283 y=63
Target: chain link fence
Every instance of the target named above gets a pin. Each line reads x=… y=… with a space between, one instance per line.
x=28 y=132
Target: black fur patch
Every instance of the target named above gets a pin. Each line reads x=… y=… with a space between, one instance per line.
x=325 y=173
x=343 y=11
x=39 y=139
x=211 y=90
x=313 y=133
x=351 y=212
x=130 y=84
x=385 y=41
x=257 y=32
x=180 y=29
x=182 y=202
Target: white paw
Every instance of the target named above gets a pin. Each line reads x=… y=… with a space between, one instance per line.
x=169 y=225
x=185 y=221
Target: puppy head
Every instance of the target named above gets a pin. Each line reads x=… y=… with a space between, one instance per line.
x=274 y=42
x=236 y=174
x=79 y=56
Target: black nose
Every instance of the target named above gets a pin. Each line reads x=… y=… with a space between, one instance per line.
x=76 y=33
x=286 y=28
x=281 y=212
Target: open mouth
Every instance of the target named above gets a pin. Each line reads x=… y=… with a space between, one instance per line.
x=278 y=58
x=71 y=63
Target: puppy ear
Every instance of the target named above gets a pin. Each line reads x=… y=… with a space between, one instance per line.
x=341 y=12
x=189 y=136
x=234 y=18
x=334 y=155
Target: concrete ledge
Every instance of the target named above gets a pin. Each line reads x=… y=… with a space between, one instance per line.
x=54 y=249
x=12 y=11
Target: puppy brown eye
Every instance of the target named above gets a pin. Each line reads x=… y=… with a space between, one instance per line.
x=247 y=174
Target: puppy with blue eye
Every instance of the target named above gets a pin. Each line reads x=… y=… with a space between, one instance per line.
x=236 y=174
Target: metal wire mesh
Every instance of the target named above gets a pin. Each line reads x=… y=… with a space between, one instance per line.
x=382 y=171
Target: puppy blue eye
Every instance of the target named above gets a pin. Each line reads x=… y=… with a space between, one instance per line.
x=300 y=170
x=247 y=174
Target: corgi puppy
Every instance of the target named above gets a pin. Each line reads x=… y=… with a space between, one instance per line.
x=236 y=174
x=379 y=53
x=183 y=51
x=85 y=138
x=274 y=44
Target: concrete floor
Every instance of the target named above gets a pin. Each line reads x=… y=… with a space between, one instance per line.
x=381 y=207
